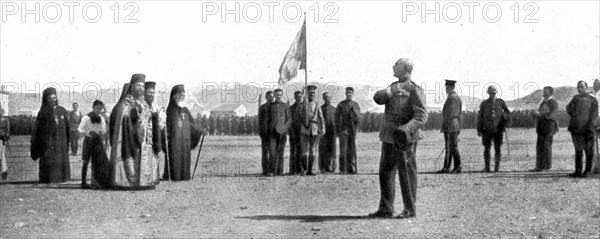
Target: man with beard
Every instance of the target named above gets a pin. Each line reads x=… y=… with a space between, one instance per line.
x=133 y=162
x=311 y=128
x=278 y=122
x=295 y=149
x=158 y=120
x=404 y=116
x=74 y=121
x=182 y=136
x=347 y=116
x=327 y=141
x=92 y=125
x=263 y=131
x=583 y=110
x=50 y=140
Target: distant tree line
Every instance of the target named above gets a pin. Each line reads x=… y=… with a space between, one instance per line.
x=371 y=122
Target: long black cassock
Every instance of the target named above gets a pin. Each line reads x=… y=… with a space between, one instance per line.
x=50 y=142
x=182 y=135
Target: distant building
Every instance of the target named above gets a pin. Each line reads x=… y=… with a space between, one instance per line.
x=4 y=100
x=230 y=109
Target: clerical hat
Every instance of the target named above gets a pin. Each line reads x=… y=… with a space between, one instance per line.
x=176 y=89
x=150 y=85
x=136 y=78
x=49 y=91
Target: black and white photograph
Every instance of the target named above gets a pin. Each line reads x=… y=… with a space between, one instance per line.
x=299 y=119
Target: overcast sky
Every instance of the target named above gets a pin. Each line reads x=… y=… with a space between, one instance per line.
x=172 y=43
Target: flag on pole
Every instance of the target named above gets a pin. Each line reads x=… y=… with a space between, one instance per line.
x=295 y=58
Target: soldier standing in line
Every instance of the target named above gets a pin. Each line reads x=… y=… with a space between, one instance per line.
x=295 y=149
x=451 y=125
x=492 y=118
x=405 y=114
x=311 y=128
x=583 y=110
x=347 y=116
x=278 y=122
x=596 y=164
x=327 y=141
x=263 y=131
x=74 y=121
x=547 y=126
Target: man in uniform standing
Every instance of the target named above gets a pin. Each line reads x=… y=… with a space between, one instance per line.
x=327 y=141
x=583 y=110
x=596 y=164
x=492 y=118
x=347 y=116
x=311 y=128
x=263 y=131
x=451 y=126
x=404 y=116
x=74 y=121
x=295 y=150
x=278 y=122
x=547 y=126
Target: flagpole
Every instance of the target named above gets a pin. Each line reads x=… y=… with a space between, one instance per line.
x=306 y=65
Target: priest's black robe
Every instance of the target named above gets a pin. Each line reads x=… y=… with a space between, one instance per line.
x=182 y=136
x=50 y=144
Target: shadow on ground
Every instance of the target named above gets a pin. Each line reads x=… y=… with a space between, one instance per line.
x=305 y=218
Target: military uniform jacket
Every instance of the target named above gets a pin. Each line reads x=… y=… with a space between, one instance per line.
x=583 y=110
x=404 y=108
x=329 y=118
x=295 y=126
x=493 y=116
x=279 y=118
x=263 y=115
x=452 y=113
x=547 y=123
x=347 y=116
x=311 y=119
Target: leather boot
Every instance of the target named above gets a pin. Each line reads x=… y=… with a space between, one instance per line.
x=497 y=166
x=487 y=164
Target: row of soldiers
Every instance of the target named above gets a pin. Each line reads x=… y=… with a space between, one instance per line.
x=138 y=132
x=493 y=117
x=311 y=128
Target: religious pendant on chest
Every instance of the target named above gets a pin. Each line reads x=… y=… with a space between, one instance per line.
x=180 y=121
x=56 y=119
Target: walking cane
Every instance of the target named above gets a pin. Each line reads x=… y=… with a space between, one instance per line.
x=198 y=158
x=438 y=158
x=167 y=153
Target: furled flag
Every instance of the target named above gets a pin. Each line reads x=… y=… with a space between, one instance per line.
x=295 y=58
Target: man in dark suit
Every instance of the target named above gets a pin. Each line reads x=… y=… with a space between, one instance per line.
x=278 y=123
x=583 y=110
x=263 y=131
x=547 y=126
x=295 y=149
x=492 y=118
x=451 y=114
x=327 y=142
x=347 y=116
x=404 y=116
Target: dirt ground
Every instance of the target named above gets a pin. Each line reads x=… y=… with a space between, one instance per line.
x=228 y=198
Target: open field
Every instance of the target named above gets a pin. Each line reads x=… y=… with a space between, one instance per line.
x=228 y=199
